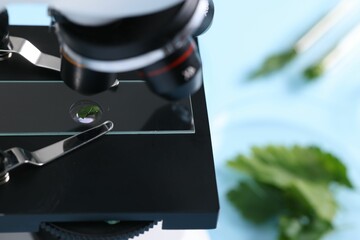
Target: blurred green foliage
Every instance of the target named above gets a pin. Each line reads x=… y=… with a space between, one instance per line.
x=291 y=184
x=274 y=63
x=314 y=71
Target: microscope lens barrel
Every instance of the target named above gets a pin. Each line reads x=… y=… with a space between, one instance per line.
x=83 y=80
x=4 y=33
x=176 y=76
x=4 y=24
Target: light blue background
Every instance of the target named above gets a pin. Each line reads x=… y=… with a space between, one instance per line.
x=281 y=108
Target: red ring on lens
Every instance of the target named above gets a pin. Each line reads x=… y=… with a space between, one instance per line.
x=182 y=58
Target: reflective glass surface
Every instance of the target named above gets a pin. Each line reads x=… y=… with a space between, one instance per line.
x=51 y=108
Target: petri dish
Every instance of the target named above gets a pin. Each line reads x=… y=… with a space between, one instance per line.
x=285 y=121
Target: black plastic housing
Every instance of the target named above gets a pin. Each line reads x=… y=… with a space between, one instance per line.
x=168 y=177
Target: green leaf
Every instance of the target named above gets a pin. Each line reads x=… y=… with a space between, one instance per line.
x=274 y=63
x=249 y=199
x=290 y=182
x=306 y=163
x=303 y=173
x=303 y=228
x=314 y=71
x=314 y=198
x=87 y=111
x=112 y=222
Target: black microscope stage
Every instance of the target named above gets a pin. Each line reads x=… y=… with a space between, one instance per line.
x=152 y=166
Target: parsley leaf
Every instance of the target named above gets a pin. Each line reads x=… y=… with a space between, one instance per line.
x=314 y=71
x=274 y=63
x=303 y=228
x=87 y=111
x=249 y=198
x=290 y=182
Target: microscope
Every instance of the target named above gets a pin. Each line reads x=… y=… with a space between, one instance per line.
x=111 y=94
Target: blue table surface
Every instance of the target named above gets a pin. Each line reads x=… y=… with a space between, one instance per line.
x=281 y=108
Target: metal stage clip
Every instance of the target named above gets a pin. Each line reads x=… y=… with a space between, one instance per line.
x=15 y=157
x=31 y=53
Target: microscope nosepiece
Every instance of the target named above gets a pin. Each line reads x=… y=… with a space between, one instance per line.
x=159 y=45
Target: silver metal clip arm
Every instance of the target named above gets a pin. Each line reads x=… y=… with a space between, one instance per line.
x=32 y=54
x=28 y=51
x=15 y=157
